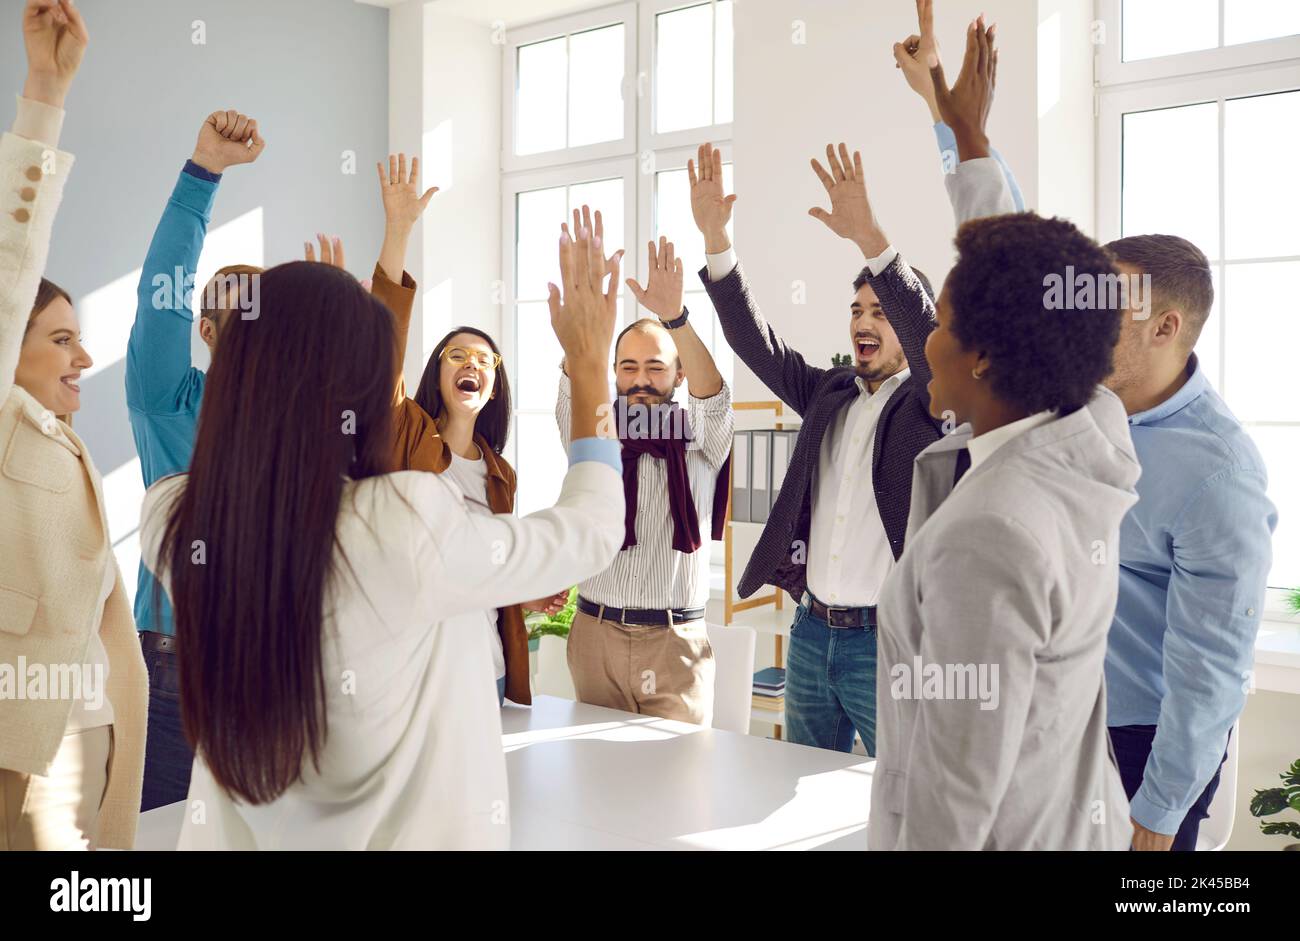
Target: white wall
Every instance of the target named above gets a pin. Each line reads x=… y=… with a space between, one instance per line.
x=841 y=83
x=1067 y=132
x=445 y=73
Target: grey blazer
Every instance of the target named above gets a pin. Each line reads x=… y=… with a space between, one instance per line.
x=1014 y=573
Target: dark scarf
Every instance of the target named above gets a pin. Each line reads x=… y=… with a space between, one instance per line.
x=637 y=435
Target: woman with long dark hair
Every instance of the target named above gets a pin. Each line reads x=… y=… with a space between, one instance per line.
x=332 y=696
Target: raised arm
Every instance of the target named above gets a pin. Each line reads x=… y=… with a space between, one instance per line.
x=403 y=206
x=32 y=171
x=915 y=56
x=904 y=301
x=662 y=296
x=158 y=365
x=777 y=365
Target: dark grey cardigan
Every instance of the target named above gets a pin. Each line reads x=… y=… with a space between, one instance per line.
x=817 y=395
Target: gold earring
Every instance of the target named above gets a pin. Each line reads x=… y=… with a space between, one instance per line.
x=975 y=375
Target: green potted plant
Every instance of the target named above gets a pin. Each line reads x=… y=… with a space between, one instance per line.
x=841 y=359
x=1293 y=601
x=1275 y=800
x=539 y=624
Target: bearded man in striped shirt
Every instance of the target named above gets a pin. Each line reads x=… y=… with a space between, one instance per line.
x=638 y=641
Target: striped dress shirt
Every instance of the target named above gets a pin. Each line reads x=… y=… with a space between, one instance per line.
x=652 y=575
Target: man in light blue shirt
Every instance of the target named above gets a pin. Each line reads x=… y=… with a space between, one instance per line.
x=1194 y=553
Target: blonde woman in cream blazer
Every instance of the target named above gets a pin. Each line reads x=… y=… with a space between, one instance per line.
x=70 y=765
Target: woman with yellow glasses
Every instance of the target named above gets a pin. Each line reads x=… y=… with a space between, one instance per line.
x=457 y=425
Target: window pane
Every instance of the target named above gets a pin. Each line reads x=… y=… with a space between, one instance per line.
x=539 y=459
x=724 y=65
x=537 y=238
x=1263 y=318
x=1167 y=27
x=540 y=98
x=596 y=66
x=539 y=356
x=1168 y=192
x=1249 y=20
x=683 y=68
x=1261 y=142
x=1280 y=448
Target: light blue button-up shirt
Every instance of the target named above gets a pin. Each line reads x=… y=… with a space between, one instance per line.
x=1194 y=560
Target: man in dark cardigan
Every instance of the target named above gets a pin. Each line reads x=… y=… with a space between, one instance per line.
x=839 y=523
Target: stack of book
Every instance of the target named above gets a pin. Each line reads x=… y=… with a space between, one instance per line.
x=769 y=689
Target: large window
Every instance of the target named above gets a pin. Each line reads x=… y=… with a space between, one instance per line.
x=602 y=108
x=1210 y=157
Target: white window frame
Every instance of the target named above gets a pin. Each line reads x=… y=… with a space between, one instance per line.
x=637 y=158
x=1113 y=70
x=646 y=84
x=1212 y=76
x=624 y=13
x=512 y=185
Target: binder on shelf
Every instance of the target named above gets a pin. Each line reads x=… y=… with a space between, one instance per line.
x=741 y=476
x=781 y=446
x=760 y=494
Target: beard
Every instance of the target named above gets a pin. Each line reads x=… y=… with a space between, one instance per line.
x=879 y=372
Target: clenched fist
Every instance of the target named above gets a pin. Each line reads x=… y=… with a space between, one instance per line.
x=227 y=139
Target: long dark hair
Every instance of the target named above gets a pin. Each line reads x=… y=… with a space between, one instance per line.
x=493 y=423
x=296 y=399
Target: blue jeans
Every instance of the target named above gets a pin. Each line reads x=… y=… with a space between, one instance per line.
x=1132 y=749
x=501 y=691
x=830 y=684
x=167 y=756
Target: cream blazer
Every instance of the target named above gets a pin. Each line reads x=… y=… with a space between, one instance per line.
x=54 y=539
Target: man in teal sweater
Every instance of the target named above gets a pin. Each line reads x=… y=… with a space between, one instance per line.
x=163 y=394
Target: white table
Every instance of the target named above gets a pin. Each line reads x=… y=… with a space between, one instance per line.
x=584 y=777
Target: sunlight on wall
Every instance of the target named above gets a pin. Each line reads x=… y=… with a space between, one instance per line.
x=439 y=317
x=107 y=314
x=437 y=161
x=1049 y=64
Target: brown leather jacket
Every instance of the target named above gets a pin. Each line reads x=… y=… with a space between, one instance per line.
x=419 y=446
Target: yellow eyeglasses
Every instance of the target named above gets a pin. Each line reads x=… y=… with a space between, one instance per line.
x=480 y=359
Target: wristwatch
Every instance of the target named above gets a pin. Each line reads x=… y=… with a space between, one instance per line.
x=679 y=322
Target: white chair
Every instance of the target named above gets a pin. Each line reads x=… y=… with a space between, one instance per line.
x=733 y=681
x=1217 y=827
x=552 y=677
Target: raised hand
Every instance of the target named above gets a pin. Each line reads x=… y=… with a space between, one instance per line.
x=403 y=203
x=918 y=54
x=331 y=251
x=662 y=295
x=966 y=106
x=851 y=215
x=582 y=220
x=227 y=139
x=710 y=204
x=582 y=313
x=56 y=38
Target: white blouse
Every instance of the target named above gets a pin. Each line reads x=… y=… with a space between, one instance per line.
x=413 y=757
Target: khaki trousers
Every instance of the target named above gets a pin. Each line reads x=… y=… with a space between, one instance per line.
x=658 y=671
x=59 y=810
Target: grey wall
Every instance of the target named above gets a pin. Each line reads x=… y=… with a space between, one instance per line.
x=313 y=72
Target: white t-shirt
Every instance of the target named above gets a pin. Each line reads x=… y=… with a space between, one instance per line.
x=413 y=758
x=471 y=478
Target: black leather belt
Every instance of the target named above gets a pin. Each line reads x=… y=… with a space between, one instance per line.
x=843 y=617
x=152 y=641
x=639 y=617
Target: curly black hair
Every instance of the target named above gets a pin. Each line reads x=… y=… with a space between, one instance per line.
x=1048 y=348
